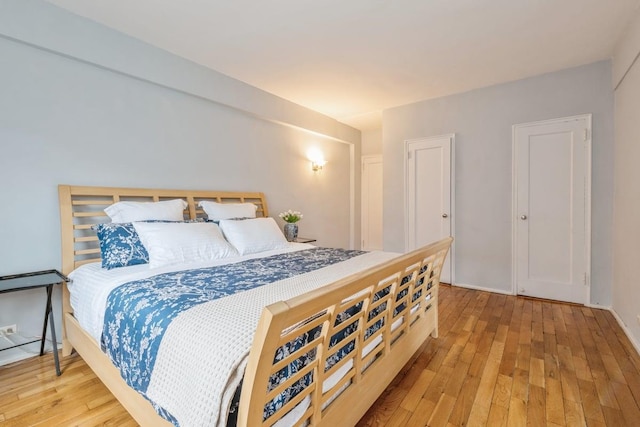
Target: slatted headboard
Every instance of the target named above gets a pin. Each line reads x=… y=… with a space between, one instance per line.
x=83 y=207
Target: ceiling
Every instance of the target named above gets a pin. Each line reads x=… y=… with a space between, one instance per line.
x=351 y=59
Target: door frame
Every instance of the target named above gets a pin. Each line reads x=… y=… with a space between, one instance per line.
x=452 y=198
x=366 y=160
x=587 y=200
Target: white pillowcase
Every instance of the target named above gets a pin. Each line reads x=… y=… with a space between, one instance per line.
x=179 y=242
x=168 y=210
x=250 y=236
x=216 y=211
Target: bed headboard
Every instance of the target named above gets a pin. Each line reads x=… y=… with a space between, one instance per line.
x=83 y=207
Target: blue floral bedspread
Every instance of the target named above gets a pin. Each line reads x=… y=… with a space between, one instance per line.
x=138 y=313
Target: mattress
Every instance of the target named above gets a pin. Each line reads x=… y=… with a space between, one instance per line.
x=91 y=284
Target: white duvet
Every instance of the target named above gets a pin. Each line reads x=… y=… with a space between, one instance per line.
x=195 y=382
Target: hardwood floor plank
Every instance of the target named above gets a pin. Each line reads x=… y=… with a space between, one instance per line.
x=502 y=391
x=412 y=399
x=536 y=372
x=633 y=382
x=628 y=405
x=612 y=368
x=604 y=387
x=517 y=413
x=595 y=423
x=436 y=388
x=613 y=417
x=498 y=416
x=520 y=387
x=583 y=372
x=500 y=361
x=510 y=356
x=554 y=408
x=574 y=416
x=482 y=404
x=590 y=402
x=453 y=386
x=421 y=415
x=441 y=412
x=536 y=406
x=570 y=389
x=399 y=418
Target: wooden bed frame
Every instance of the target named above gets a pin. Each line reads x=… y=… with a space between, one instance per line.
x=82 y=207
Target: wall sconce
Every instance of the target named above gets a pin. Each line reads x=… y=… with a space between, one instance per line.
x=316 y=165
x=317 y=159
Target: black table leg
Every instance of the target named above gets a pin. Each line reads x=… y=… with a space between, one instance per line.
x=48 y=315
x=47 y=310
x=54 y=342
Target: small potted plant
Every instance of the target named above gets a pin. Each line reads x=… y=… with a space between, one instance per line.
x=291 y=227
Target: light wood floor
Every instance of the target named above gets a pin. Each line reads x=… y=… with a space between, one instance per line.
x=499 y=361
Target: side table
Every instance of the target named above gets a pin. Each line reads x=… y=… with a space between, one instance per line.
x=39 y=279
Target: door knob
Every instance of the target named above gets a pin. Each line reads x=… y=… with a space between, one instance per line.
x=444 y=215
x=523 y=217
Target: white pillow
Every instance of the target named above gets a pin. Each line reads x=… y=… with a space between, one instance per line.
x=250 y=236
x=182 y=242
x=168 y=210
x=216 y=211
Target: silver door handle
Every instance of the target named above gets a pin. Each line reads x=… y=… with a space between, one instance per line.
x=444 y=215
x=523 y=217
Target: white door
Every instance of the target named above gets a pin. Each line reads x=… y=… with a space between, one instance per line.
x=551 y=208
x=429 y=194
x=372 y=203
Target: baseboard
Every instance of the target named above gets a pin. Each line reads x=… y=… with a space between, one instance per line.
x=626 y=330
x=481 y=288
x=600 y=306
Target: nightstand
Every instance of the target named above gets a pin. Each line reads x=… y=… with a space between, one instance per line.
x=304 y=240
x=39 y=279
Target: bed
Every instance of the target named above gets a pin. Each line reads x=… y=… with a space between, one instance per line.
x=321 y=346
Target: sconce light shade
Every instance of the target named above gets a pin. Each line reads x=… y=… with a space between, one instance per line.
x=317 y=159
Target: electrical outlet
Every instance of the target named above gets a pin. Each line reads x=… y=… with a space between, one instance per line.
x=638 y=318
x=8 y=330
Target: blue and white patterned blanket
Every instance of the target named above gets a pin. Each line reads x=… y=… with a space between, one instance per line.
x=139 y=313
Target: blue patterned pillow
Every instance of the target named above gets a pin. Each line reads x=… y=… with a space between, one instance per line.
x=120 y=245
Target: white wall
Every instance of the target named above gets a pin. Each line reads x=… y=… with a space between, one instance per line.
x=482 y=120
x=626 y=230
x=371 y=142
x=83 y=105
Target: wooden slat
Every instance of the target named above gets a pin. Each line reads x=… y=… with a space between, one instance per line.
x=87 y=251
x=86 y=239
x=91 y=202
x=95 y=214
x=82 y=226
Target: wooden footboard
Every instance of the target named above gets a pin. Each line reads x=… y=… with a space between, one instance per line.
x=391 y=311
